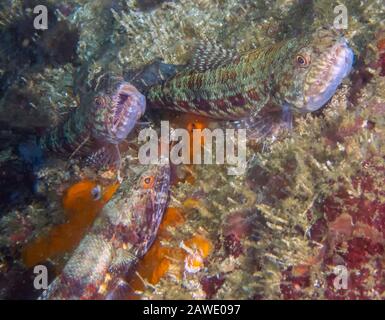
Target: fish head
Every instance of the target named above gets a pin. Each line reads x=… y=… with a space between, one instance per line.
x=154 y=180
x=152 y=188
x=316 y=67
x=118 y=108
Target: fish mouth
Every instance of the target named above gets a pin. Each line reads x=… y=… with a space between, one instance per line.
x=128 y=106
x=324 y=78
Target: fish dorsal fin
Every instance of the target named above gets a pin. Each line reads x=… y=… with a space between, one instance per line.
x=208 y=56
x=107 y=155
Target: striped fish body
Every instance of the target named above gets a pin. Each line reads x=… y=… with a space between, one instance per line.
x=120 y=236
x=230 y=91
x=299 y=74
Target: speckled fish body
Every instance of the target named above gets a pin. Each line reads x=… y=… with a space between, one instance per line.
x=120 y=236
x=301 y=74
x=102 y=120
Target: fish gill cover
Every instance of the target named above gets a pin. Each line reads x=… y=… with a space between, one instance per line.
x=309 y=208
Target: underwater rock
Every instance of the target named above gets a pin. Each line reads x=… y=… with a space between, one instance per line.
x=211 y=284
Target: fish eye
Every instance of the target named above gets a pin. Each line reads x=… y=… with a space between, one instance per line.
x=98 y=101
x=148 y=182
x=302 y=61
x=96 y=193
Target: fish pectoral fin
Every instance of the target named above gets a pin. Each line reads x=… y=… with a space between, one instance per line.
x=107 y=155
x=123 y=260
x=287 y=116
x=262 y=126
x=207 y=56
